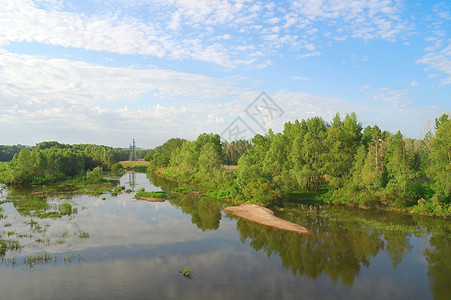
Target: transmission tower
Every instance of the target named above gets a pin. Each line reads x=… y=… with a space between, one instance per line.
x=133 y=151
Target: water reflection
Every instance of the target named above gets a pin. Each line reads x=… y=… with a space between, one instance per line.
x=438 y=256
x=141 y=246
x=205 y=212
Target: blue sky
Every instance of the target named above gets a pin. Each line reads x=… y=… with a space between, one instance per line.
x=106 y=72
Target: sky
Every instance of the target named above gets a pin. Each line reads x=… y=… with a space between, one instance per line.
x=107 y=72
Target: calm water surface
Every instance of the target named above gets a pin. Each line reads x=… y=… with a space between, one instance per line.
x=120 y=247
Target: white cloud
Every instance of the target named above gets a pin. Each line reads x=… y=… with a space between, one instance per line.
x=301 y=105
x=24 y=21
x=438 y=59
x=359 y=18
x=396 y=98
x=299 y=78
x=182 y=29
x=30 y=77
x=71 y=96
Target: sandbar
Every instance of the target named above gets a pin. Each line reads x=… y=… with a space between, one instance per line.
x=152 y=199
x=265 y=216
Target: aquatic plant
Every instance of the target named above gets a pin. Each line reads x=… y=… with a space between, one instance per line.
x=69 y=257
x=44 y=257
x=82 y=234
x=8 y=245
x=186 y=272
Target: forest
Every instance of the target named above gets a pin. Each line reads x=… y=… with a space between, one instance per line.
x=339 y=163
x=48 y=162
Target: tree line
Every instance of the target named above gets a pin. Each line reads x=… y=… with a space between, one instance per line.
x=52 y=161
x=338 y=162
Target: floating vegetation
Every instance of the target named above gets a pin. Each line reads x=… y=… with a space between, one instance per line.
x=42 y=258
x=186 y=272
x=23 y=235
x=117 y=190
x=31 y=223
x=40 y=208
x=69 y=257
x=82 y=234
x=7 y=225
x=65 y=208
x=45 y=241
x=8 y=245
x=160 y=195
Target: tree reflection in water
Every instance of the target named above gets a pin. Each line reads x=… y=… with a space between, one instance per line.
x=344 y=239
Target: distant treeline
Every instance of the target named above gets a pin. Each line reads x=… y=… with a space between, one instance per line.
x=52 y=161
x=7 y=152
x=338 y=162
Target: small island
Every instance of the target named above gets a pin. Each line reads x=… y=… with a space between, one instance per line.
x=265 y=216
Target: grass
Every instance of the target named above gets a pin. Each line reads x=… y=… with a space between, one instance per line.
x=160 y=195
x=8 y=245
x=184 y=189
x=44 y=257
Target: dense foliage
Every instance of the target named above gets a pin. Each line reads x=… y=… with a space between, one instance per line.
x=7 y=152
x=52 y=161
x=338 y=162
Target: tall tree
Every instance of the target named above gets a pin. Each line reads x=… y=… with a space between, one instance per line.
x=440 y=164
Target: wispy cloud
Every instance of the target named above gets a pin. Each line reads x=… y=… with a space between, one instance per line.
x=396 y=98
x=191 y=29
x=31 y=77
x=358 y=19
x=439 y=58
x=437 y=55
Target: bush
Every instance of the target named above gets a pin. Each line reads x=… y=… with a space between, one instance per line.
x=95 y=175
x=117 y=168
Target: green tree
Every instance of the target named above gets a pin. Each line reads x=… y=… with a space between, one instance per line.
x=440 y=165
x=342 y=141
x=399 y=174
x=210 y=158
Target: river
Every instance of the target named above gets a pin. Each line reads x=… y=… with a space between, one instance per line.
x=115 y=246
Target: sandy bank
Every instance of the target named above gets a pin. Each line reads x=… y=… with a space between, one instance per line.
x=265 y=216
x=151 y=199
